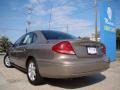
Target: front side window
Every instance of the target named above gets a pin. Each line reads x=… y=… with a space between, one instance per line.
x=17 y=43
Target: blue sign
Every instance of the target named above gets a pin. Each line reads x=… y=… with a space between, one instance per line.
x=107 y=27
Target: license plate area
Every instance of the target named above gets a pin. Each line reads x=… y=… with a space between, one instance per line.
x=92 y=50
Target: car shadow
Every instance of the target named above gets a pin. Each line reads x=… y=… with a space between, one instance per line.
x=72 y=83
x=77 y=82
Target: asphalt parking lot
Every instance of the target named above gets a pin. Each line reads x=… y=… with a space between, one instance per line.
x=13 y=79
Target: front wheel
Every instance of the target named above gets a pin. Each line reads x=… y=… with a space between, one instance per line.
x=7 y=62
x=33 y=73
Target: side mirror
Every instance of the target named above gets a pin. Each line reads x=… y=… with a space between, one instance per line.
x=12 y=45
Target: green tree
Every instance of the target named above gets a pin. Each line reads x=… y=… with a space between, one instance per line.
x=4 y=43
x=118 y=38
x=118 y=33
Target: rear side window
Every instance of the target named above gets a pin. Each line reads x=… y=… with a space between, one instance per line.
x=56 y=35
x=34 y=38
x=29 y=38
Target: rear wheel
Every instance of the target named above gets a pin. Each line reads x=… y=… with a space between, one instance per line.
x=33 y=73
x=7 y=62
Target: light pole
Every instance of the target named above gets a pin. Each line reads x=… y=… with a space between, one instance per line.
x=96 y=20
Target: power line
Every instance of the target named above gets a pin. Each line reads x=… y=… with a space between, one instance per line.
x=11 y=29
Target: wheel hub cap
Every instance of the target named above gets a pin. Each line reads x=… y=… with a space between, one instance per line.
x=31 y=71
x=7 y=61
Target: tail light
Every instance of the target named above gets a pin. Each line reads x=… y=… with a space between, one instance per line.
x=103 y=49
x=63 y=47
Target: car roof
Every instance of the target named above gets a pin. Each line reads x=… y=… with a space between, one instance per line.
x=44 y=31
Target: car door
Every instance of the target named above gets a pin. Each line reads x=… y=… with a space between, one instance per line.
x=20 y=51
x=13 y=50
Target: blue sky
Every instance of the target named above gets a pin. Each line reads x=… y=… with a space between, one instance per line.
x=76 y=15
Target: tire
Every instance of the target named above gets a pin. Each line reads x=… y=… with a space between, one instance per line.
x=7 y=62
x=33 y=73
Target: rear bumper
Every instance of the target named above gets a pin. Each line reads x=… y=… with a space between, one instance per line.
x=68 y=70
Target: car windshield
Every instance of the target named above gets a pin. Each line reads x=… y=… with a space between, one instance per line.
x=56 y=35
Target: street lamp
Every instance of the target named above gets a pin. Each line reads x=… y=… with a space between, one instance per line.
x=50 y=17
x=29 y=12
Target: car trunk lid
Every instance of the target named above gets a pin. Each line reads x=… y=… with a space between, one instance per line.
x=87 y=48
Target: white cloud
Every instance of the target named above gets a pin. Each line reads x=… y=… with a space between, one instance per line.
x=64 y=10
x=61 y=16
x=34 y=1
x=14 y=5
x=40 y=11
x=37 y=1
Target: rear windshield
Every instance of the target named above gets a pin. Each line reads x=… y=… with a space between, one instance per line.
x=56 y=35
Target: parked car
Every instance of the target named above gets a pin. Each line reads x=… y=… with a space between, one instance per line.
x=54 y=54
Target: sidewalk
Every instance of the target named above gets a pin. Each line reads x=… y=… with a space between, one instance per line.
x=3 y=81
